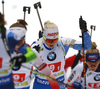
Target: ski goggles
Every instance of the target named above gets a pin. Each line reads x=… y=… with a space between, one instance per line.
x=49 y=40
x=92 y=57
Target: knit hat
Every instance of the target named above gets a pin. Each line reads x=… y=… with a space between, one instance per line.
x=92 y=55
x=50 y=31
x=19 y=28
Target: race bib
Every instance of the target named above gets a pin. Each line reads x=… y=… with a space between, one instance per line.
x=19 y=77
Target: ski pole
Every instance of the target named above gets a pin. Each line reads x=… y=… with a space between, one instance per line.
x=36 y=5
x=92 y=27
x=26 y=9
x=3 y=30
x=3 y=6
x=43 y=75
x=84 y=66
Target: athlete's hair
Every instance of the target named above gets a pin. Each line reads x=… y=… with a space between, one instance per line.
x=20 y=23
x=2 y=20
x=49 y=25
x=93 y=49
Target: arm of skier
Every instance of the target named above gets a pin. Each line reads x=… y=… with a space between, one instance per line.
x=87 y=43
x=42 y=66
x=69 y=61
x=87 y=40
x=78 y=44
x=76 y=72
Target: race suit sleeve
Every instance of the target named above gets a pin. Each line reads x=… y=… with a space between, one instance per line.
x=78 y=44
x=87 y=43
x=76 y=72
x=42 y=66
x=69 y=61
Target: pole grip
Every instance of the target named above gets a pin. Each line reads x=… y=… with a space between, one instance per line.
x=26 y=9
x=36 y=5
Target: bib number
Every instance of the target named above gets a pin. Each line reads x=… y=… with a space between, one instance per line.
x=55 y=67
x=19 y=77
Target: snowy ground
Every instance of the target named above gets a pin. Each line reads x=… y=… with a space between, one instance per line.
x=68 y=73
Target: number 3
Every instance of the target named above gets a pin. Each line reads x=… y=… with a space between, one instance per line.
x=0 y=62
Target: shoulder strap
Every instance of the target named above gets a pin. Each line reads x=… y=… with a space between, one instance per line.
x=61 y=46
x=78 y=56
x=3 y=36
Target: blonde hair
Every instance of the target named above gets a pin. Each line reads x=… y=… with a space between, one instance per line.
x=93 y=49
x=49 y=25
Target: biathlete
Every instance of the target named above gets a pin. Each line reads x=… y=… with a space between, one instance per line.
x=53 y=50
x=10 y=42
x=92 y=71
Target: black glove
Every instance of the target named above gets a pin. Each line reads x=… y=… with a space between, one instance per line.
x=83 y=24
x=17 y=61
x=37 y=48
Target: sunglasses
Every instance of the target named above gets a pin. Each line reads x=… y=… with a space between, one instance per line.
x=51 y=41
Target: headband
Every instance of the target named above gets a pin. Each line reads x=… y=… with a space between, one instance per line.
x=51 y=33
x=92 y=57
x=19 y=31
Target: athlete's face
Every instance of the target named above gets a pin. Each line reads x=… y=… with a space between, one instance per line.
x=51 y=42
x=93 y=66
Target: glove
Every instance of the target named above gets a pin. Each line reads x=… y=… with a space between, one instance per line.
x=17 y=61
x=77 y=85
x=33 y=75
x=37 y=48
x=61 y=86
x=83 y=24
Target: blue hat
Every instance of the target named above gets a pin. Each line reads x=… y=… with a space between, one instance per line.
x=92 y=57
